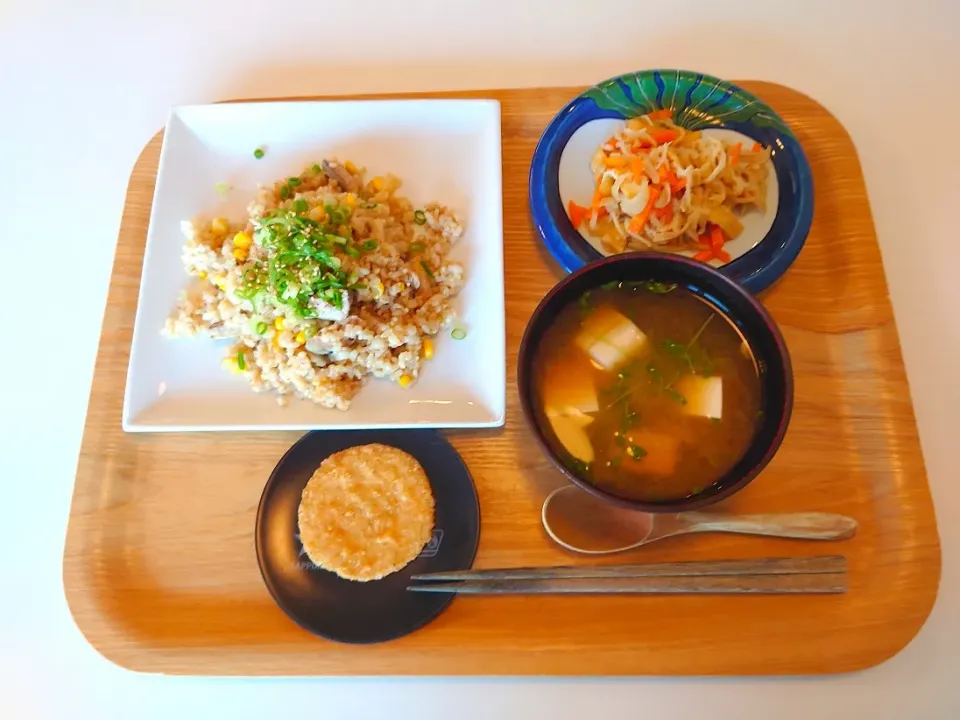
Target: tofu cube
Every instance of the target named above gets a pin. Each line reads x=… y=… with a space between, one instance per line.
x=704 y=395
x=610 y=340
x=571 y=434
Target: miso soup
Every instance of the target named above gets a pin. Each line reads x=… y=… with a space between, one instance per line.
x=648 y=389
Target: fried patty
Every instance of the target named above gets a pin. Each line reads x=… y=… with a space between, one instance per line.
x=366 y=512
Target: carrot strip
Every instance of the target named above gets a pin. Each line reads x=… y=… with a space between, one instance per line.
x=704 y=255
x=665 y=214
x=735 y=154
x=641 y=218
x=637 y=168
x=723 y=256
x=704 y=241
x=757 y=147
x=716 y=238
x=669 y=176
x=660 y=137
x=615 y=161
x=662 y=114
x=578 y=213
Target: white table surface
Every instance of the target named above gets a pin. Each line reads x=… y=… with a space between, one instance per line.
x=83 y=85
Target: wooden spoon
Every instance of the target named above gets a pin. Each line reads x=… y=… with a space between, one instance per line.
x=585 y=524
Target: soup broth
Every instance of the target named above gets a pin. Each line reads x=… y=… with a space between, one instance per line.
x=648 y=389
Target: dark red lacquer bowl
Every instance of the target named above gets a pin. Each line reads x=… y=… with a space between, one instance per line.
x=753 y=321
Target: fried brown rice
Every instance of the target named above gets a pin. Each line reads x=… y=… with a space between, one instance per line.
x=329 y=280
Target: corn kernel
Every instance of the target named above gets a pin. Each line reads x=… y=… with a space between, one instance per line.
x=202 y=275
x=427 y=349
x=220 y=281
x=240 y=253
x=404 y=381
x=301 y=338
x=231 y=364
x=350 y=166
x=242 y=240
x=275 y=340
x=377 y=289
x=378 y=183
x=279 y=323
x=220 y=226
x=318 y=214
x=350 y=199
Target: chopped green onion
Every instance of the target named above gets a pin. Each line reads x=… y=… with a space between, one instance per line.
x=426 y=269
x=284 y=192
x=351 y=251
x=294 y=181
x=420 y=217
x=417 y=247
x=298 y=267
x=258 y=153
x=636 y=452
x=316 y=169
x=370 y=245
x=671 y=393
x=458 y=333
x=300 y=205
x=660 y=288
x=241 y=361
x=261 y=328
x=584 y=303
x=579 y=466
x=371 y=205
x=335 y=239
x=337 y=217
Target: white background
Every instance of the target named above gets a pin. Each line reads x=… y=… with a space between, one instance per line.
x=83 y=85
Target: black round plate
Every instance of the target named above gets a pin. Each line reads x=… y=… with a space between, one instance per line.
x=379 y=610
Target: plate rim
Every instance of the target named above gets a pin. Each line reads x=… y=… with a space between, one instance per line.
x=757 y=269
x=497 y=410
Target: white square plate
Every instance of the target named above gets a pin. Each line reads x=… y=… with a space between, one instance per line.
x=443 y=150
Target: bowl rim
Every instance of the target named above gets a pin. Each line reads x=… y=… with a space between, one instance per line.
x=757 y=269
x=694 y=502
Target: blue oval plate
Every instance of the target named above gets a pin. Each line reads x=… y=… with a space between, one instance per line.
x=560 y=170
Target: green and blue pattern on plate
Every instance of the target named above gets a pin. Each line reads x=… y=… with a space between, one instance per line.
x=697 y=102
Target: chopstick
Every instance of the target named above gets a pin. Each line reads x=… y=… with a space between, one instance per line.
x=701 y=568
x=815 y=575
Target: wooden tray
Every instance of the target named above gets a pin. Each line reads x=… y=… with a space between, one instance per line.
x=161 y=575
